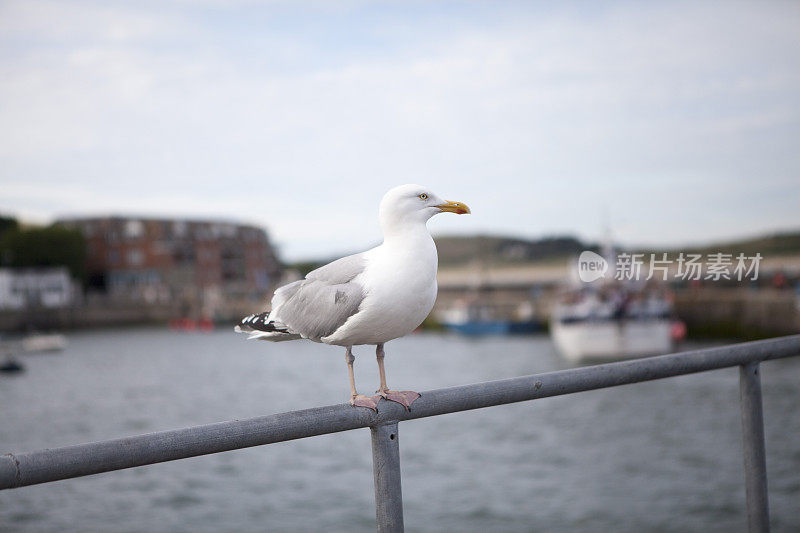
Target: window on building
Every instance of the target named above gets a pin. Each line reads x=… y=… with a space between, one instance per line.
x=179 y=229
x=134 y=229
x=135 y=257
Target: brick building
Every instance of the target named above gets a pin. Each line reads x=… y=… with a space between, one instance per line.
x=161 y=260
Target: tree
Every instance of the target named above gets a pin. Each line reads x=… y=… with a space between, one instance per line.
x=43 y=247
x=7 y=224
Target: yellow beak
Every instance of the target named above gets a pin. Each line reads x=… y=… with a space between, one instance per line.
x=454 y=207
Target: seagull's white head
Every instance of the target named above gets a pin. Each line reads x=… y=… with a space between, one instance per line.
x=409 y=204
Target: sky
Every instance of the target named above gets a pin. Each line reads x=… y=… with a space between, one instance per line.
x=668 y=123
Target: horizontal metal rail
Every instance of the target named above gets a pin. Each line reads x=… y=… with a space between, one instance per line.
x=30 y=468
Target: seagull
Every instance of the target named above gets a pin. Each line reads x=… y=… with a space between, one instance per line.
x=367 y=298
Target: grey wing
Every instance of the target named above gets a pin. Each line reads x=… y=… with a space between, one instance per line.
x=320 y=304
x=340 y=271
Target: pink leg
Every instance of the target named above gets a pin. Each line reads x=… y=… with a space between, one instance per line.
x=403 y=397
x=356 y=399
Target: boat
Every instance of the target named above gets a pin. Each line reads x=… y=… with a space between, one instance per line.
x=600 y=318
x=477 y=314
x=31 y=343
x=11 y=366
x=474 y=318
x=44 y=342
x=612 y=323
x=188 y=325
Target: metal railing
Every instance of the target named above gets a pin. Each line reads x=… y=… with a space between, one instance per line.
x=22 y=469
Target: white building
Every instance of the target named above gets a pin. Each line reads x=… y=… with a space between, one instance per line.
x=22 y=288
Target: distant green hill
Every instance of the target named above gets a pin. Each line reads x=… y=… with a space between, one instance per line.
x=499 y=250
x=784 y=243
x=496 y=250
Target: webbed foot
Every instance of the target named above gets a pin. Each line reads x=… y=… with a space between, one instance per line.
x=370 y=402
x=403 y=397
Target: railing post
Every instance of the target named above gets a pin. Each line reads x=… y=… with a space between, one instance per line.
x=755 y=466
x=386 y=468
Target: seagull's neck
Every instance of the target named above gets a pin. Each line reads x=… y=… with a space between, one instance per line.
x=409 y=243
x=405 y=233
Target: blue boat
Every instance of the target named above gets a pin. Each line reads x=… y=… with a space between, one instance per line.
x=480 y=327
x=475 y=319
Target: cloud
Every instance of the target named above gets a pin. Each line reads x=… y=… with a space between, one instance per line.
x=300 y=117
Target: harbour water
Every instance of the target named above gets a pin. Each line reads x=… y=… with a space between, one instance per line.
x=658 y=456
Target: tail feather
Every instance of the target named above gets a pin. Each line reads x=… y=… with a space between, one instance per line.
x=273 y=336
x=260 y=327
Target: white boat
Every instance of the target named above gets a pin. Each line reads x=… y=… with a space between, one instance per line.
x=584 y=342
x=44 y=342
x=588 y=326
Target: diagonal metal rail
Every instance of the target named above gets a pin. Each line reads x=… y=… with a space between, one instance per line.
x=30 y=468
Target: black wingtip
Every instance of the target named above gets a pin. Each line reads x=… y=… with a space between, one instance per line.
x=259 y=322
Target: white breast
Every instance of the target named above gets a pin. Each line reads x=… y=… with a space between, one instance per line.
x=400 y=285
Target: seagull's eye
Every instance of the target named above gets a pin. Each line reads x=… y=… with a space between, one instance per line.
x=423 y=196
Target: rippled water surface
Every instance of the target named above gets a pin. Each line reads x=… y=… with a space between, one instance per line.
x=659 y=456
